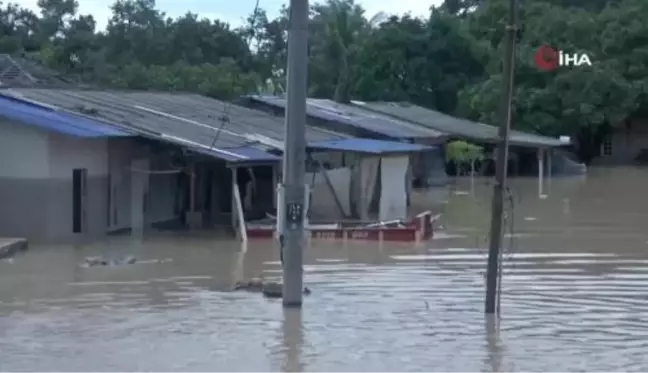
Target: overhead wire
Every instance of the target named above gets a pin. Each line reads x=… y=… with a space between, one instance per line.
x=227 y=105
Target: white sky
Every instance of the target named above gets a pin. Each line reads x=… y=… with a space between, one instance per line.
x=234 y=11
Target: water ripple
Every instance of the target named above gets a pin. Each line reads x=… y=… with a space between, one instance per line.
x=411 y=312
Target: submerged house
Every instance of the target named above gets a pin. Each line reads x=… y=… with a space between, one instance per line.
x=83 y=163
x=426 y=168
x=78 y=163
x=531 y=153
x=626 y=143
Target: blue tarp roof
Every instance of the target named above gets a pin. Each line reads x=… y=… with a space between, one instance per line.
x=52 y=120
x=368 y=146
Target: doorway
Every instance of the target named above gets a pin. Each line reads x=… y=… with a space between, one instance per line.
x=79 y=200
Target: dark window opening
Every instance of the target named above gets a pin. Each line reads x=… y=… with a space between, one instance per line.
x=79 y=182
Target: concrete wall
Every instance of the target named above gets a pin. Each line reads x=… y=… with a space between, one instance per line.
x=66 y=153
x=36 y=168
x=24 y=171
x=161 y=194
x=322 y=204
x=626 y=143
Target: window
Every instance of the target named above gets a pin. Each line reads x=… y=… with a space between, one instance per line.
x=606 y=147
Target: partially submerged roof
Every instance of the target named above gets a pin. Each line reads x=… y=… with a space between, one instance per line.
x=353 y=116
x=456 y=127
x=189 y=120
x=369 y=146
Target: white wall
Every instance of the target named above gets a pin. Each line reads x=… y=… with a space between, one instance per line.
x=120 y=154
x=161 y=196
x=67 y=153
x=159 y=189
x=24 y=170
x=36 y=169
x=18 y=160
x=322 y=204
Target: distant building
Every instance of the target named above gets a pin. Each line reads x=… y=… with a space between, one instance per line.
x=527 y=149
x=427 y=168
x=627 y=143
x=84 y=163
x=410 y=123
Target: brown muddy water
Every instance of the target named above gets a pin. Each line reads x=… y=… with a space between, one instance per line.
x=574 y=298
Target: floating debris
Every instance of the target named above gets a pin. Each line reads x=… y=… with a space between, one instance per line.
x=98 y=261
x=270 y=289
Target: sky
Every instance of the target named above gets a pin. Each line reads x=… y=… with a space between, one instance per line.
x=234 y=11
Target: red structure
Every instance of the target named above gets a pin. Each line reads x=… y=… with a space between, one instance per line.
x=417 y=229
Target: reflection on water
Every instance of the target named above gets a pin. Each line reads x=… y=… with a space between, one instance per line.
x=574 y=287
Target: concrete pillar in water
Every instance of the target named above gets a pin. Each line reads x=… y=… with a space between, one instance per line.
x=294 y=158
x=497 y=210
x=139 y=181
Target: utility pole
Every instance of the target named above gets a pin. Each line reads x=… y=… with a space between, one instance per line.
x=294 y=157
x=496 y=231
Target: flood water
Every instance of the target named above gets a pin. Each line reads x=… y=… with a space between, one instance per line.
x=574 y=295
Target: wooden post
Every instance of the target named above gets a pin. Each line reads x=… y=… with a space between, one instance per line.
x=234 y=207
x=497 y=210
x=275 y=184
x=192 y=189
x=549 y=167
x=540 y=172
x=241 y=216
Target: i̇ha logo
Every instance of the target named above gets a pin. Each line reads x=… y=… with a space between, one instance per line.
x=547 y=58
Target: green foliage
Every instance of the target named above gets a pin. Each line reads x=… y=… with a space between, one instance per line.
x=567 y=101
x=463 y=152
x=464 y=155
x=449 y=61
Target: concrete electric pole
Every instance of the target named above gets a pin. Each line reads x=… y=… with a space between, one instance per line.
x=496 y=231
x=295 y=155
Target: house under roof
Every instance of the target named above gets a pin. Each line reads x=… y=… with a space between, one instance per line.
x=201 y=124
x=457 y=127
x=194 y=121
x=353 y=119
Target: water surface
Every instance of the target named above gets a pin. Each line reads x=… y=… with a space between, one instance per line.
x=574 y=295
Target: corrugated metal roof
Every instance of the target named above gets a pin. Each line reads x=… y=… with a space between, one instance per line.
x=56 y=121
x=253 y=155
x=18 y=71
x=456 y=126
x=181 y=118
x=370 y=146
x=357 y=117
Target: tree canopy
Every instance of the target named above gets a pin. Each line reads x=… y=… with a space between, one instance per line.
x=448 y=61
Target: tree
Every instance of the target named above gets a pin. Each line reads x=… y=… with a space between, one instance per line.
x=580 y=102
x=464 y=156
x=449 y=61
